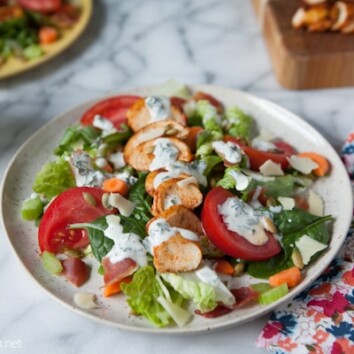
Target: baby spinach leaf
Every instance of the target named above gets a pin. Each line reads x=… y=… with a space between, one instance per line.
x=100 y=244
x=281 y=187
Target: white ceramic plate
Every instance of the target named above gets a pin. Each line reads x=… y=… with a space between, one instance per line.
x=335 y=190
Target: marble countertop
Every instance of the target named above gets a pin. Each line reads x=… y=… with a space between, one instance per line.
x=131 y=43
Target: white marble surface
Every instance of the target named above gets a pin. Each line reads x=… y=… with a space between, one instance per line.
x=131 y=43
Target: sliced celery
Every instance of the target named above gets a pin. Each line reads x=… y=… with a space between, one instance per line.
x=32 y=209
x=51 y=263
x=274 y=294
x=173 y=88
x=33 y=51
x=261 y=287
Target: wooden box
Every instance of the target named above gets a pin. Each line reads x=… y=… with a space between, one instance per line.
x=303 y=60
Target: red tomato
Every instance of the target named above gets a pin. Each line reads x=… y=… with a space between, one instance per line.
x=68 y=208
x=45 y=6
x=284 y=147
x=228 y=241
x=114 y=109
x=178 y=102
x=258 y=158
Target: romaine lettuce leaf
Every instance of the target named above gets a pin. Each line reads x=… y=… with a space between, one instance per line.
x=202 y=294
x=239 y=124
x=54 y=178
x=142 y=296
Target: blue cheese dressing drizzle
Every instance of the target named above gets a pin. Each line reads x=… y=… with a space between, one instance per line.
x=241 y=218
x=164 y=153
x=159 y=107
x=161 y=231
x=126 y=245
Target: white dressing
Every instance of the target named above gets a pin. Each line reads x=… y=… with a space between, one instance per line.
x=117 y=159
x=242 y=181
x=171 y=200
x=241 y=218
x=186 y=181
x=126 y=245
x=164 y=153
x=161 y=231
x=159 y=107
x=229 y=151
x=84 y=173
x=263 y=145
x=176 y=168
x=102 y=123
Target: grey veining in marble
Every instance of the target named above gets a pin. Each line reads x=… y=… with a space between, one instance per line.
x=131 y=43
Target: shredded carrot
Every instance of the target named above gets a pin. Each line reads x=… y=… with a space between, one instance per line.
x=114 y=288
x=115 y=185
x=322 y=162
x=224 y=267
x=48 y=35
x=191 y=139
x=291 y=276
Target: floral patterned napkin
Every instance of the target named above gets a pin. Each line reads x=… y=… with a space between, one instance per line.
x=320 y=320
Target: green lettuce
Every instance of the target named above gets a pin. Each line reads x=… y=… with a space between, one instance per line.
x=54 y=178
x=142 y=296
x=208 y=115
x=203 y=295
x=77 y=136
x=239 y=124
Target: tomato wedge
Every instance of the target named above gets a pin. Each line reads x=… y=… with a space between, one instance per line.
x=258 y=158
x=114 y=108
x=45 y=6
x=69 y=207
x=228 y=241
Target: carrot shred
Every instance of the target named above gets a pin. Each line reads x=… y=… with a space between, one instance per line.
x=224 y=267
x=115 y=185
x=322 y=162
x=114 y=288
x=291 y=276
x=48 y=35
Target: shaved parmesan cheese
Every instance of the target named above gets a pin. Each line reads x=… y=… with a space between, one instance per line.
x=242 y=181
x=315 y=204
x=287 y=203
x=270 y=168
x=85 y=301
x=308 y=247
x=302 y=164
x=189 y=180
x=124 y=205
x=102 y=123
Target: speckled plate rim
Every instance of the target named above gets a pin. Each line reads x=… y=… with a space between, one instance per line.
x=325 y=259
x=14 y=66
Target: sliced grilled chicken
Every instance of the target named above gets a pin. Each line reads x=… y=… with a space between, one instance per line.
x=169 y=193
x=177 y=254
x=143 y=155
x=179 y=216
x=169 y=128
x=139 y=116
x=150 y=179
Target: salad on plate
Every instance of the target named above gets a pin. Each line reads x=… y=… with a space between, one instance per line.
x=27 y=27
x=184 y=206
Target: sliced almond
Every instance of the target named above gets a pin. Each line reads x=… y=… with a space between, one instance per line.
x=298 y=19
x=314 y=2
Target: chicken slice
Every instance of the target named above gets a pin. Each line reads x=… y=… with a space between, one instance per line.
x=139 y=116
x=177 y=254
x=143 y=155
x=169 y=193
x=155 y=130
